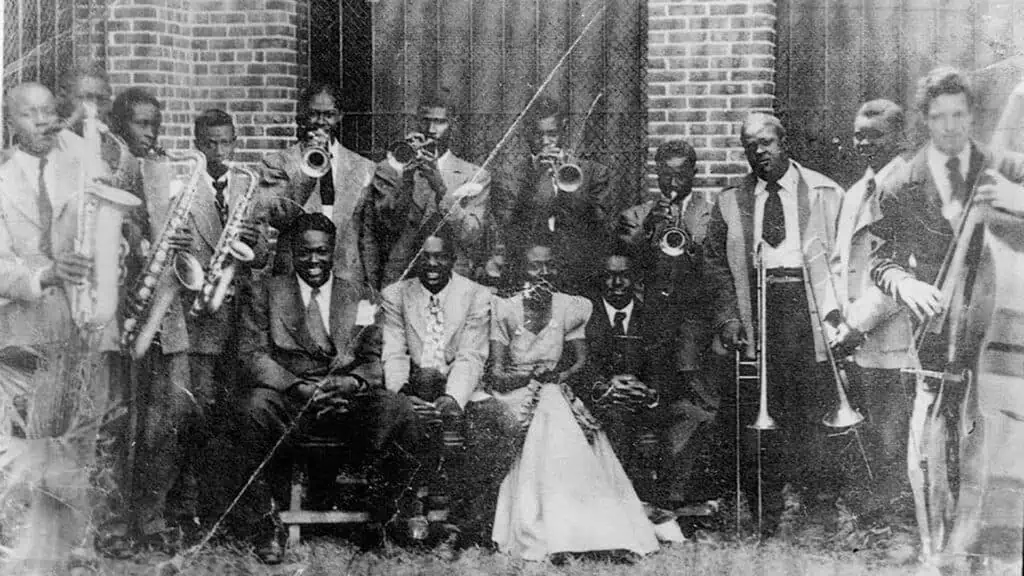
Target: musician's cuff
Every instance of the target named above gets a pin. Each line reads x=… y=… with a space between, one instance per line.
x=35 y=284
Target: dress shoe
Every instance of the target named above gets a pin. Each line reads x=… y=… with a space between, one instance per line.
x=270 y=552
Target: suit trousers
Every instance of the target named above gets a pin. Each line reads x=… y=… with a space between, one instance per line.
x=885 y=397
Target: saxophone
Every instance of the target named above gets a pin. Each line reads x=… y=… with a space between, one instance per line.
x=101 y=209
x=229 y=252
x=156 y=287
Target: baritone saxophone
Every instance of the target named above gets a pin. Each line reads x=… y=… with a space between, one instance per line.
x=167 y=270
x=229 y=253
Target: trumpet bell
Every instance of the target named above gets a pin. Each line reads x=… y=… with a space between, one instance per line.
x=402 y=152
x=316 y=162
x=844 y=416
x=674 y=242
x=568 y=177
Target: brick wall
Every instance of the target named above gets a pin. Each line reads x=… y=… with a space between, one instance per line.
x=710 y=62
x=237 y=55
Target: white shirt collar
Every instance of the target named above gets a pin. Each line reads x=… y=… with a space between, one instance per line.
x=226 y=177
x=446 y=159
x=324 y=296
x=440 y=295
x=937 y=159
x=788 y=182
x=611 y=311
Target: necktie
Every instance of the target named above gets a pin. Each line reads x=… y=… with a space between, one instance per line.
x=220 y=200
x=957 y=185
x=45 y=209
x=871 y=187
x=327 y=188
x=773 y=223
x=315 y=323
x=433 y=353
x=620 y=323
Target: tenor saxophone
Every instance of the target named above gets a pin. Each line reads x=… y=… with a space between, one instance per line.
x=230 y=251
x=156 y=287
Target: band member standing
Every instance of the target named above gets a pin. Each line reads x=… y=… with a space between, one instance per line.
x=868 y=322
x=310 y=356
x=782 y=206
x=921 y=206
x=403 y=197
x=161 y=397
x=290 y=185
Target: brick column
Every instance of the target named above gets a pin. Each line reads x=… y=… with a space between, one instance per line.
x=709 y=63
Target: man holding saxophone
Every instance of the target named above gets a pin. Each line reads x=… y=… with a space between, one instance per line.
x=154 y=334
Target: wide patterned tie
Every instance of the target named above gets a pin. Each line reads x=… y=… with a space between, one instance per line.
x=327 y=188
x=620 y=324
x=220 y=200
x=957 y=185
x=433 y=349
x=315 y=323
x=45 y=209
x=773 y=222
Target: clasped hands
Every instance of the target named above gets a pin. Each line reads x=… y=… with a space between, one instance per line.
x=443 y=408
x=625 y=390
x=331 y=394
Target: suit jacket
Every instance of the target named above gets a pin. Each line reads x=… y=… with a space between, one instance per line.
x=886 y=326
x=592 y=207
x=28 y=314
x=390 y=234
x=286 y=191
x=276 y=348
x=608 y=354
x=467 y=311
x=729 y=249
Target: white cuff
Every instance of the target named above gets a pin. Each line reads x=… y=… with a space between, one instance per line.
x=35 y=284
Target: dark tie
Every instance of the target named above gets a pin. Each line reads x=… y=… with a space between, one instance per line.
x=871 y=187
x=620 y=324
x=773 y=223
x=957 y=185
x=327 y=188
x=315 y=323
x=45 y=209
x=220 y=200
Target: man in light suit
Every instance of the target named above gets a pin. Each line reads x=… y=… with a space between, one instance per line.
x=402 y=198
x=287 y=190
x=868 y=322
x=786 y=209
x=313 y=361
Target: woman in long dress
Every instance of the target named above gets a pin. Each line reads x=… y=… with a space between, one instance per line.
x=566 y=491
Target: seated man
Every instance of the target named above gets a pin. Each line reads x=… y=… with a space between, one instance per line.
x=313 y=361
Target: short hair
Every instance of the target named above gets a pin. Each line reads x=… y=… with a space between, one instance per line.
x=760 y=118
x=675 y=149
x=940 y=81
x=887 y=109
x=437 y=227
x=89 y=69
x=436 y=99
x=211 y=119
x=302 y=108
x=311 y=221
x=122 y=109
x=546 y=107
x=521 y=240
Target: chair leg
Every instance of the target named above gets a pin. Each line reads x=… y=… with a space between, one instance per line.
x=295 y=502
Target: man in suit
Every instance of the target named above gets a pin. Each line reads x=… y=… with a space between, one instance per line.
x=921 y=206
x=435 y=330
x=868 y=322
x=288 y=190
x=778 y=211
x=403 y=197
x=313 y=362
x=161 y=398
x=580 y=217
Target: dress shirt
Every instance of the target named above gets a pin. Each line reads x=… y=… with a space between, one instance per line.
x=787 y=254
x=611 y=310
x=940 y=173
x=444 y=163
x=323 y=299
x=226 y=178
x=29 y=164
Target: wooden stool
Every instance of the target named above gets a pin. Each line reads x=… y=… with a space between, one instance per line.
x=312 y=449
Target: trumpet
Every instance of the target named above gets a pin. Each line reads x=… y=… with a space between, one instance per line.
x=566 y=176
x=316 y=158
x=764 y=420
x=414 y=149
x=229 y=252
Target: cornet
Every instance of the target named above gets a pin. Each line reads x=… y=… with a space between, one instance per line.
x=674 y=240
x=414 y=149
x=566 y=176
x=316 y=158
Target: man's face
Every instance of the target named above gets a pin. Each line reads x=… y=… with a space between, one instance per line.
x=33 y=116
x=435 y=123
x=435 y=265
x=540 y=264
x=875 y=140
x=143 y=128
x=89 y=89
x=549 y=133
x=675 y=177
x=765 y=153
x=618 y=281
x=324 y=115
x=949 y=123
x=312 y=259
x=217 y=143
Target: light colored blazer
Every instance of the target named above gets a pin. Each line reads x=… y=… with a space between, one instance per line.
x=467 y=316
x=729 y=249
x=885 y=324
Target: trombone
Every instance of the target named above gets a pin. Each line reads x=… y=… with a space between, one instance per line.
x=764 y=420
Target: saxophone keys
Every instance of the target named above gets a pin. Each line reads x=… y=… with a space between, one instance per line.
x=149 y=281
x=159 y=258
x=145 y=292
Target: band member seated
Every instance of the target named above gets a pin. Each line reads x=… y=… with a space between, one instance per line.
x=873 y=325
x=574 y=202
x=161 y=378
x=299 y=178
x=566 y=491
x=406 y=192
x=921 y=206
x=776 y=211
x=313 y=363
x=435 y=327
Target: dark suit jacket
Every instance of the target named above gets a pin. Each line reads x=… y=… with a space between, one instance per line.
x=590 y=208
x=276 y=348
x=608 y=354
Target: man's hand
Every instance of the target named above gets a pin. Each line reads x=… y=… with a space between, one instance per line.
x=732 y=335
x=845 y=340
x=448 y=407
x=923 y=299
x=999 y=192
x=658 y=214
x=69 y=267
x=425 y=411
x=629 y=391
x=181 y=239
x=249 y=232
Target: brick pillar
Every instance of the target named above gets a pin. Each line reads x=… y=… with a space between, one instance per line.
x=709 y=63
